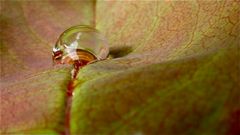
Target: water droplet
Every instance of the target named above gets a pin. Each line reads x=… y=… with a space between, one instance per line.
x=81 y=44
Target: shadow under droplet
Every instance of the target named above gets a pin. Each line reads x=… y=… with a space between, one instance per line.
x=116 y=52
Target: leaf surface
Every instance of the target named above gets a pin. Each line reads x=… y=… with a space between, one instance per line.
x=178 y=72
x=32 y=90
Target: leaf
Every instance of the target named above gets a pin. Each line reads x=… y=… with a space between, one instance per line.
x=32 y=90
x=179 y=75
x=175 y=68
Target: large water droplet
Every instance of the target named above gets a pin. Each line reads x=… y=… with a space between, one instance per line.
x=80 y=43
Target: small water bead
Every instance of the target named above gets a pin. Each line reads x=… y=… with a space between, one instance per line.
x=80 y=45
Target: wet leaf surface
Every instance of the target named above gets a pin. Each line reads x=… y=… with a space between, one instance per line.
x=174 y=68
